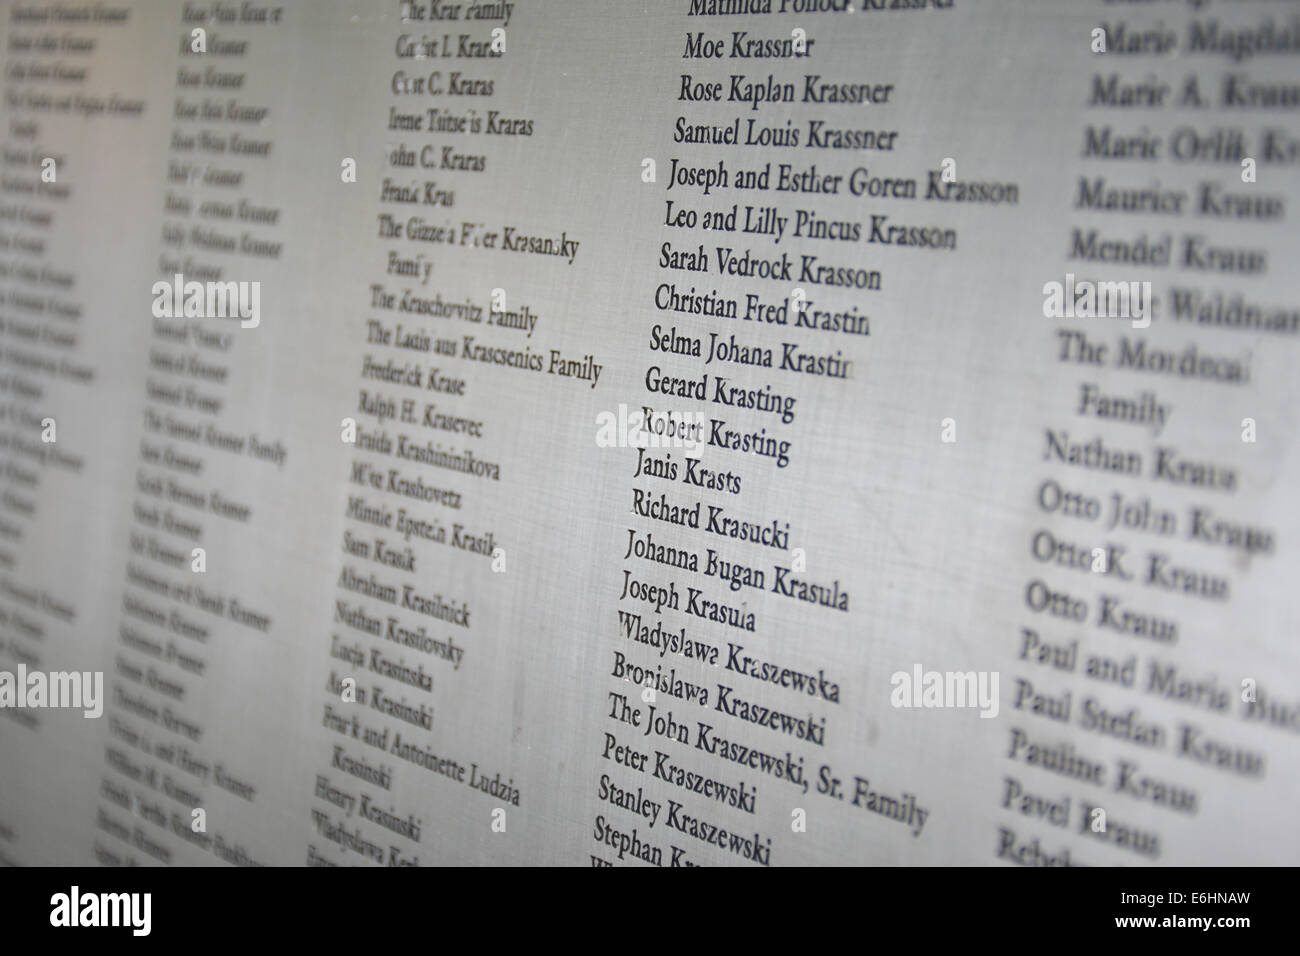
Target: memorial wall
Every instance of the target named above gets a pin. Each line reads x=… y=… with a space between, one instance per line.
x=616 y=432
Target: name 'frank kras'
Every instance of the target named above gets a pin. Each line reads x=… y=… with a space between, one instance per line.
x=208 y=300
